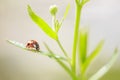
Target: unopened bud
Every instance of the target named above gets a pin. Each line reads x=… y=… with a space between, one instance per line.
x=53 y=10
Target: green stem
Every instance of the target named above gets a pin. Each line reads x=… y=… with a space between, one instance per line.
x=76 y=30
x=62 y=64
x=54 y=27
x=66 y=69
x=53 y=22
x=65 y=53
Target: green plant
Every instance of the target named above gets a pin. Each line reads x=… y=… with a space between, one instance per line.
x=79 y=43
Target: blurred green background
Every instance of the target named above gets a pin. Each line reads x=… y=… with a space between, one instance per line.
x=102 y=17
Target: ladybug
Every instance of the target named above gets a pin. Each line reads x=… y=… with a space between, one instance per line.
x=32 y=44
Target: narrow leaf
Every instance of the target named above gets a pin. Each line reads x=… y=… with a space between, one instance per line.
x=93 y=55
x=64 y=16
x=51 y=51
x=105 y=68
x=66 y=12
x=83 y=44
x=17 y=44
x=22 y=46
x=42 y=24
x=61 y=63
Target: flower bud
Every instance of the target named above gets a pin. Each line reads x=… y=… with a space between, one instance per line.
x=53 y=10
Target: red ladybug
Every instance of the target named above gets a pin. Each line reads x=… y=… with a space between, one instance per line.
x=32 y=44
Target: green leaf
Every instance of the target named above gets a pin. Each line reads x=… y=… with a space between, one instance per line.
x=22 y=46
x=61 y=63
x=59 y=59
x=52 y=53
x=105 y=68
x=42 y=24
x=92 y=55
x=66 y=11
x=58 y=25
x=83 y=44
x=17 y=44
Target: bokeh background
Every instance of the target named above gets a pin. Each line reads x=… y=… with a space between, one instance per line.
x=101 y=16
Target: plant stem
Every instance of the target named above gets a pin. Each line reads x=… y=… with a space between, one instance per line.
x=65 y=53
x=67 y=69
x=53 y=22
x=62 y=64
x=58 y=41
x=76 y=30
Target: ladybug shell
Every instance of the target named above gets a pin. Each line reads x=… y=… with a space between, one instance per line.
x=32 y=44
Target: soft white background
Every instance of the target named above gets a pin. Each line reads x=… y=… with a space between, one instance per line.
x=101 y=16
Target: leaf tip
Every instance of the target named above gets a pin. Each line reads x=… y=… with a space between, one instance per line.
x=28 y=6
x=9 y=41
x=29 y=9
